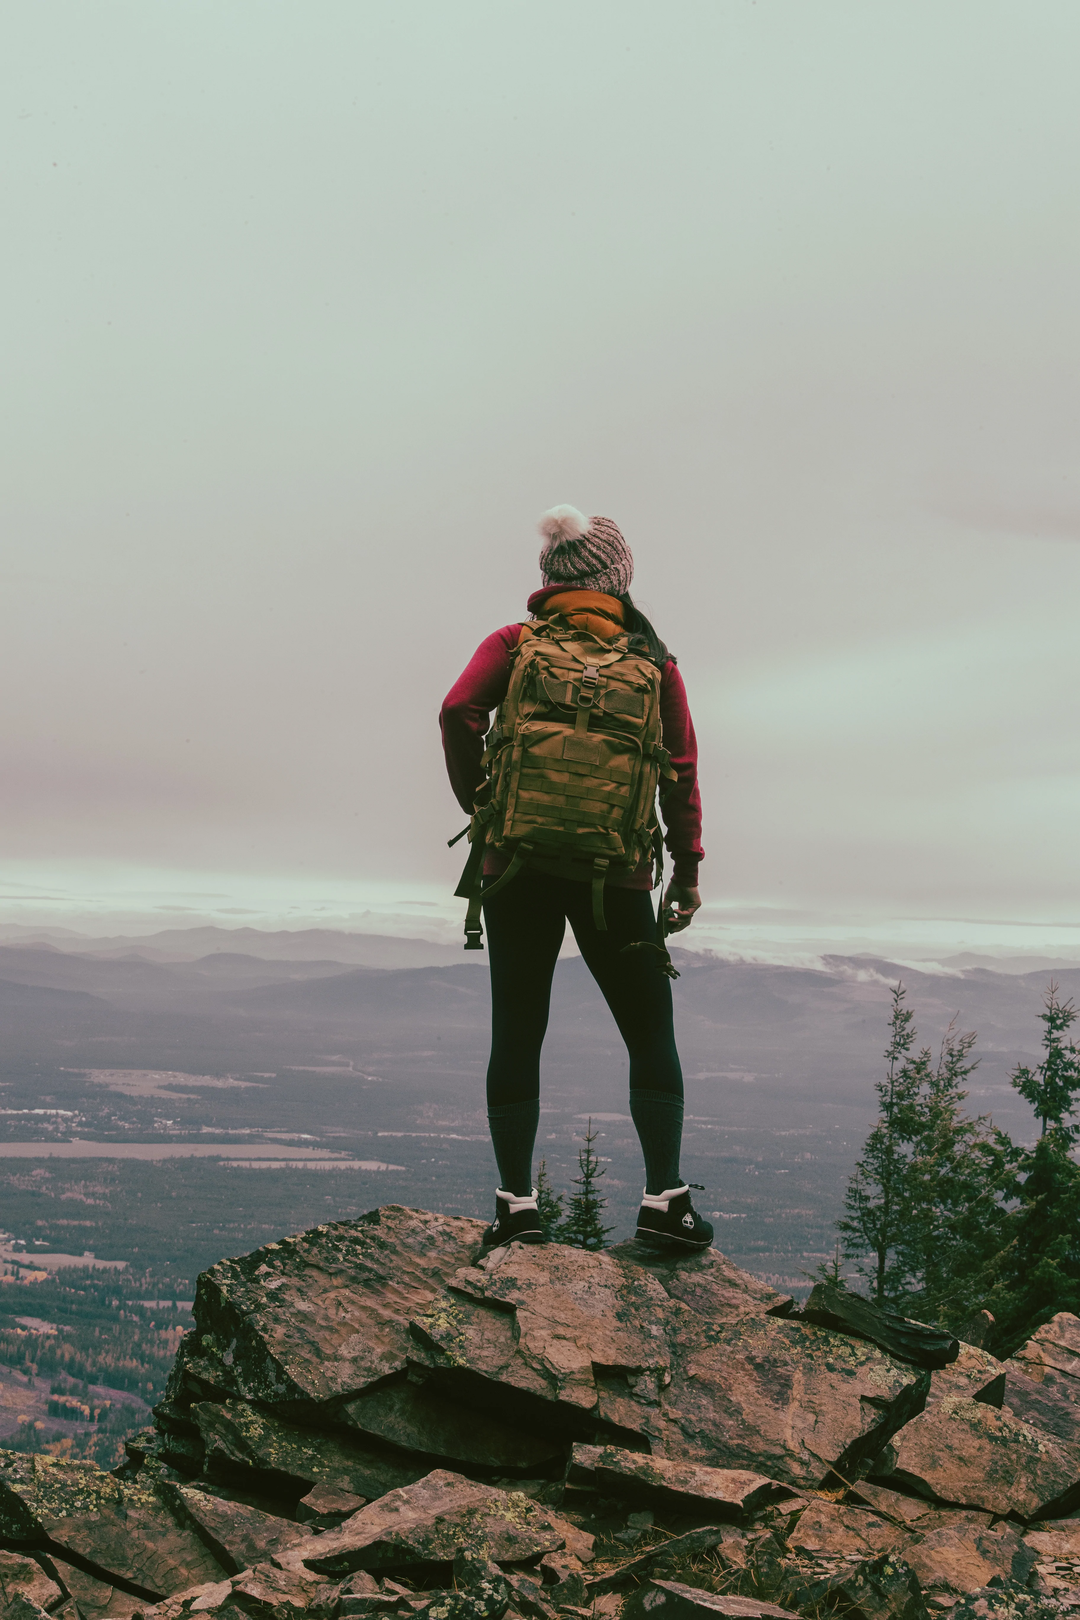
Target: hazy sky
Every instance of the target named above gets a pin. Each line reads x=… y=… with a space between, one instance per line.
x=311 y=309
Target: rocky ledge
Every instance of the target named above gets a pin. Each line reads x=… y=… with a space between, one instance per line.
x=372 y=1419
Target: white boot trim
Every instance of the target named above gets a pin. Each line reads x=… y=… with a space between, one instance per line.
x=517 y=1204
x=661 y=1201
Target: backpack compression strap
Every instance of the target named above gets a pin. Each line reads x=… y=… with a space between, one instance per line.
x=468 y=884
x=599 y=878
x=471 y=887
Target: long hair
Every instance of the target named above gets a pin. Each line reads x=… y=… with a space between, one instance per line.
x=641 y=630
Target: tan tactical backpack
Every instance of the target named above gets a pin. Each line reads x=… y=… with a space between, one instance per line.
x=572 y=764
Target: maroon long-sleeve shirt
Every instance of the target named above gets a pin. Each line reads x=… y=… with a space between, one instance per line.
x=481 y=687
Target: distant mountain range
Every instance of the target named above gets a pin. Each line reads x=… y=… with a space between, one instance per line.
x=802 y=1032
x=281 y=945
x=333 y=945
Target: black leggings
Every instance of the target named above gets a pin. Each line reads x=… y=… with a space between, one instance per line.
x=526 y=922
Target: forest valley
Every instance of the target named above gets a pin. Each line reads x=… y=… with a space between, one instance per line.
x=946 y=1219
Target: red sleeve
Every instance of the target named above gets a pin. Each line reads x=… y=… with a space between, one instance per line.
x=680 y=802
x=466 y=711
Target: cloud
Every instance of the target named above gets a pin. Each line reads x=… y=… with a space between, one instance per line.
x=1033 y=521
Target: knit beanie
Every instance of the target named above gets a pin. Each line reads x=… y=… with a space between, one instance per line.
x=589 y=553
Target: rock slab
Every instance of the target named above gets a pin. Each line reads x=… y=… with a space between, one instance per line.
x=674 y=1601
x=237 y=1535
x=324 y=1314
x=963 y=1552
x=726 y=1494
x=245 y=1446
x=22 y=1577
x=967 y=1453
x=122 y=1530
x=432 y=1521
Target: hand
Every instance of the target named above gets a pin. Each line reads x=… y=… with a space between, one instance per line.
x=679 y=907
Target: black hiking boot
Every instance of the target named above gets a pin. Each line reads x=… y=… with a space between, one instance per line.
x=669 y=1219
x=516 y=1221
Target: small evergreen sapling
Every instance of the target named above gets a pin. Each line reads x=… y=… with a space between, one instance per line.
x=583 y=1227
x=549 y=1204
x=830 y=1271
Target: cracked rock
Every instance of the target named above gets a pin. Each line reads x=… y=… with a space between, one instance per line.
x=825 y=1530
x=591 y=1345
x=251 y=1448
x=965 y=1452
x=123 y=1530
x=238 y=1536
x=431 y=1521
x=21 y=1576
x=963 y=1552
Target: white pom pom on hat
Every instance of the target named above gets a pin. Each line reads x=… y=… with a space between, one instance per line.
x=586 y=553
x=563 y=523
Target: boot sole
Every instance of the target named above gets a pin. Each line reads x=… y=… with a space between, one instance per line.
x=518 y=1237
x=647 y=1235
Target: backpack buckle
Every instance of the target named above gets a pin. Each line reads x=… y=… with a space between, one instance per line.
x=589 y=679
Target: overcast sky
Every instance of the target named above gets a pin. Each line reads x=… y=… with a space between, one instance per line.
x=310 y=310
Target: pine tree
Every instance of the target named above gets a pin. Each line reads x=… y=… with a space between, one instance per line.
x=957 y=1179
x=1040 y=1273
x=878 y=1201
x=1051 y=1087
x=950 y=1217
x=549 y=1204
x=583 y=1228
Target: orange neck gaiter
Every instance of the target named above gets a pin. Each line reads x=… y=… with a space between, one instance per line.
x=599 y=615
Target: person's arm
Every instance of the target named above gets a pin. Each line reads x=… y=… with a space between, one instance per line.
x=466 y=712
x=680 y=802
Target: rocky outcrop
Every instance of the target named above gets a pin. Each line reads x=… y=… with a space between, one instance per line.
x=593 y=1347
x=374 y=1418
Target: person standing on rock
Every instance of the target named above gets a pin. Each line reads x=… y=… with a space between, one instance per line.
x=592 y=716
